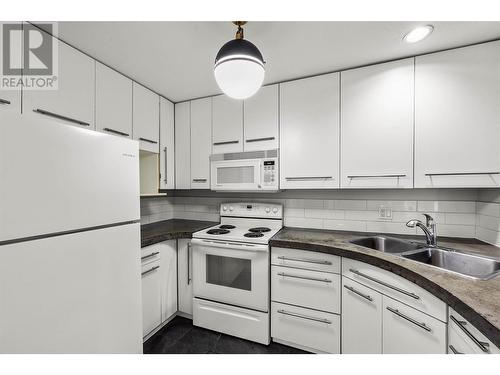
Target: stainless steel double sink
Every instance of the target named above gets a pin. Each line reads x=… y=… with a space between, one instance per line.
x=474 y=266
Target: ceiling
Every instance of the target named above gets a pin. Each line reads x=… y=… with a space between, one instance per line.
x=176 y=59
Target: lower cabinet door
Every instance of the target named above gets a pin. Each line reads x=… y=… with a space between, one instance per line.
x=168 y=278
x=361 y=319
x=151 y=297
x=409 y=331
x=307 y=329
x=185 y=276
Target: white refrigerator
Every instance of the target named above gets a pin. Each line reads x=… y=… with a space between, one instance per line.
x=70 y=277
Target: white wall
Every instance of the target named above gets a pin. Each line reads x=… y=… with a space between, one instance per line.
x=488 y=216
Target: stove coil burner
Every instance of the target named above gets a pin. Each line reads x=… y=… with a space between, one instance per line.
x=253 y=234
x=217 y=231
x=259 y=230
x=227 y=226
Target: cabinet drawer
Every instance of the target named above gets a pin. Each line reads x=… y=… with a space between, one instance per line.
x=305 y=259
x=465 y=338
x=408 y=331
x=395 y=287
x=151 y=297
x=150 y=254
x=311 y=289
x=312 y=329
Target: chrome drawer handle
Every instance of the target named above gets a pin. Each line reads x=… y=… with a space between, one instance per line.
x=166 y=160
x=411 y=320
x=454 y=351
x=199 y=180
x=225 y=143
x=460 y=174
x=109 y=130
x=326 y=262
x=259 y=139
x=375 y=176
x=484 y=346
x=147 y=140
x=310 y=178
x=150 y=270
x=304 y=277
x=3 y=101
x=320 y=320
x=60 y=117
x=410 y=294
x=188 y=263
x=365 y=296
x=150 y=255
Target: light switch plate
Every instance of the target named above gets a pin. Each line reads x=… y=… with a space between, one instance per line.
x=385 y=213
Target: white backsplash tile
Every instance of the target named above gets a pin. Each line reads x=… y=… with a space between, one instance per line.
x=394 y=205
x=348 y=204
x=303 y=222
x=348 y=225
x=447 y=206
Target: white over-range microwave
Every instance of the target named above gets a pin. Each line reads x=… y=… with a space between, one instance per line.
x=245 y=171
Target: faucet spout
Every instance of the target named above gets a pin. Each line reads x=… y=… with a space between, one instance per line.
x=429 y=229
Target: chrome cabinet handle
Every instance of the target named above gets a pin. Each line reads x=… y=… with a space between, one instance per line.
x=411 y=320
x=188 y=264
x=365 y=296
x=304 y=277
x=150 y=270
x=109 y=130
x=321 y=320
x=260 y=139
x=484 y=346
x=150 y=255
x=60 y=117
x=147 y=140
x=225 y=143
x=166 y=159
x=410 y=294
x=455 y=351
x=327 y=262
x=3 y=101
x=310 y=178
x=199 y=180
x=460 y=174
x=375 y=176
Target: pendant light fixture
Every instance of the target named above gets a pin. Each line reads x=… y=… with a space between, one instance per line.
x=239 y=67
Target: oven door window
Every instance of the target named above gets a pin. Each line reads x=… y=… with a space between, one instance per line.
x=230 y=272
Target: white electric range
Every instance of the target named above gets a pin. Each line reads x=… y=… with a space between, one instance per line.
x=231 y=270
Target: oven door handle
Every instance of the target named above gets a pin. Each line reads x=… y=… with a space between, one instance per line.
x=229 y=245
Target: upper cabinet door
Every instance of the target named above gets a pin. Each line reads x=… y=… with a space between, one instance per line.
x=10 y=100
x=227 y=125
x=261 y=120
x=146 y=117
x=377 y=126
x=113 y=102
x=73 y=100
x=457 y=118
x=309 y=133
x=183 y=145
x=167 y=144
x=201 y=135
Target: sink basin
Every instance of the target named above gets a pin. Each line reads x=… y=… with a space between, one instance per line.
x=466 y=264
x=386 y=244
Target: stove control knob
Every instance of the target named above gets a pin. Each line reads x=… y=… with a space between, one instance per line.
x=224 y=208
x=268 y=209
x=231 y=208
x=275 y=210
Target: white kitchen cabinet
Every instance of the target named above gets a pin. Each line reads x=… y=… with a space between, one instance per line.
x=151 y=297
x=361 y=319
x=309 y=132
x=167 y=144
x=457 y=117
x=146 y=118
x=73 y=100
x=409 y=331
x=113 y=102
x=227 y=123
x=183 y=145
x=10 y=100
x=201 y=142
x=261 y=120
x=377 y=126
x=185 y=276
x=168 y=278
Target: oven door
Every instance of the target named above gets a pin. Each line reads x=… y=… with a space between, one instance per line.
x=232 y=273
x=236 y=175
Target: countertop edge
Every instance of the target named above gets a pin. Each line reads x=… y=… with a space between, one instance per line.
x=468 y=312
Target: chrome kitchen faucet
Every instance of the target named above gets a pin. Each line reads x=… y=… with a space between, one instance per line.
x=429 y=229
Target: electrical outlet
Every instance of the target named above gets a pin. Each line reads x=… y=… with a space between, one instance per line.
x=385 y=213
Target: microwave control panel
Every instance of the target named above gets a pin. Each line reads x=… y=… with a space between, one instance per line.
x=270 y=172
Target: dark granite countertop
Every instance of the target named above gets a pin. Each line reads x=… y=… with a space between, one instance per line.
x=171 y=230
x=477 y=300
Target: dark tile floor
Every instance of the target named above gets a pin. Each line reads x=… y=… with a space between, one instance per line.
x=180 y=337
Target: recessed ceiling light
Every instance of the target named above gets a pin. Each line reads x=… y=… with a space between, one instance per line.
x=418 y=33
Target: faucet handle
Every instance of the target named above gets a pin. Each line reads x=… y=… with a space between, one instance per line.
x=429 y=220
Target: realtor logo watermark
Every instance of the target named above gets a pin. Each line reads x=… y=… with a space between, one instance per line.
x=29 y=57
